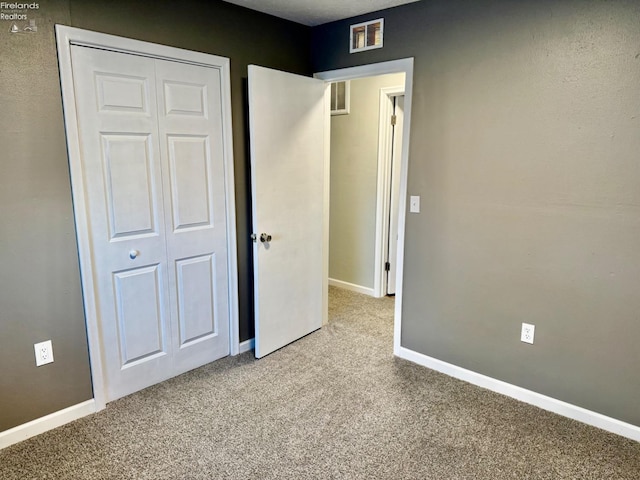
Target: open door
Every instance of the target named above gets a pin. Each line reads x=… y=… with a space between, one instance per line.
x=289 y=168
x=396 y=152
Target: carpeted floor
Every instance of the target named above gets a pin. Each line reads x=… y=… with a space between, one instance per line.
x=334 y=405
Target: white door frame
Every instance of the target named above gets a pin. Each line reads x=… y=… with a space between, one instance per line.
x=65 y=38
x=383 y=201
x=394 y=66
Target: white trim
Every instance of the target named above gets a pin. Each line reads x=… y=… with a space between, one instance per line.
x=370 y=70
x=232 y=245
x=48 y=422
x=383 y=189
x=394 y=66
x=351 y=286
x=80 y=212
x=326 y=193
x=533 y=398
x=65 y=38
x=247 y=346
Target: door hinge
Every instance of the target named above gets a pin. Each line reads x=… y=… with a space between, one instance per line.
x=387 y=266
x=393 y=119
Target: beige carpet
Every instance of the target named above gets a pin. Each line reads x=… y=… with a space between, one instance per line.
x=334 y=405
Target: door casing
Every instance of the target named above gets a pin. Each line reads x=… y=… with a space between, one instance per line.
x=405 y=66
x=65 y=38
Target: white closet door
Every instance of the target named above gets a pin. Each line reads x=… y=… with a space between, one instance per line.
x=117 y=119
x=190 y=124
x=150 y=145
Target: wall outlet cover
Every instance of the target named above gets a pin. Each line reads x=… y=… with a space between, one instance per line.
x=44 y=353
x=528 y=332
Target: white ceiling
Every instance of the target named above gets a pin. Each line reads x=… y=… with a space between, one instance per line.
x=317 y=12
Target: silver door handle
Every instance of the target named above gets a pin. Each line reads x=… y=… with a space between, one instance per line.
x=265 y=238
x=133 y=254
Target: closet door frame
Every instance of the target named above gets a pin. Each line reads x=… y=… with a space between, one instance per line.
x=65 y=38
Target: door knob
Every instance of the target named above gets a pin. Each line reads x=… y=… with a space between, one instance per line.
x=133 y=254
x=264 y=237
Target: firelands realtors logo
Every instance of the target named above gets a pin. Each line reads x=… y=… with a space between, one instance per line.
x=18 y=15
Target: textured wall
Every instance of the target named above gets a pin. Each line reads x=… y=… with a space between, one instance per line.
x=524 y=148
x=354 y=177
x=40 y=295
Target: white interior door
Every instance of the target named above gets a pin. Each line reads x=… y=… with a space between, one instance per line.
x=155 y=200
x=396 y=155
x=289 y=165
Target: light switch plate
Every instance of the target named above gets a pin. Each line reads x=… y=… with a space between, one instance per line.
x=414 y=204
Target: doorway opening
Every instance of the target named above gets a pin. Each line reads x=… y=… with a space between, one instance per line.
x=364 y=185
x=387 y=199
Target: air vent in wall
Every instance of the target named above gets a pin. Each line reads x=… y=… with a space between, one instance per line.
x=340 y=98
x=366 y=36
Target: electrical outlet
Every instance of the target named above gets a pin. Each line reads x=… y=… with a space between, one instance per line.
x=528 y=332
x=44 y=353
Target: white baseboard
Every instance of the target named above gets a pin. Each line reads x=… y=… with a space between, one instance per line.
x=542 y=401
x=350 y=286
x=48 y=422
x=246 y=346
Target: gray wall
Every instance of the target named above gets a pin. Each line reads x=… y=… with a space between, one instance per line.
x=524 y=148
x=40 y=295
x=354 y=177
